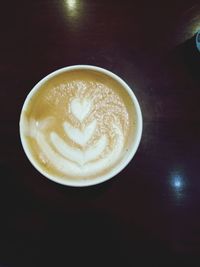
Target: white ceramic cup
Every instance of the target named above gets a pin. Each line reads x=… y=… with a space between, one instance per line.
x=123 y=163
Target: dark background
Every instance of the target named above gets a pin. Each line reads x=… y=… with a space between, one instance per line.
x=149 y=215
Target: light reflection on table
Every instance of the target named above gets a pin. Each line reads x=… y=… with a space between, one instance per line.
x=178 y=185
x=74 y=9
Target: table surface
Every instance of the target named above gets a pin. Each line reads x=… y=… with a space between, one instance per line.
x=151 y=210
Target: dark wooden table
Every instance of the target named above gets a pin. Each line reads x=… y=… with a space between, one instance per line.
x=149 y=215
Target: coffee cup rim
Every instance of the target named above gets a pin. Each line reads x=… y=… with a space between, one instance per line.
x=117 y=169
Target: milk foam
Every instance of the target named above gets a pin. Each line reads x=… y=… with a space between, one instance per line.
x=77 y=155
x=80 y=137
x=80 y=109
x=76 y=162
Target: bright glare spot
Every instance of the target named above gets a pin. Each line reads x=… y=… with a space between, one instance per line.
x=74 y=9
x=71 y=4
x=177 y=182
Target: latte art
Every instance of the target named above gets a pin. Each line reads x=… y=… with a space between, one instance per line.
x=78 y=127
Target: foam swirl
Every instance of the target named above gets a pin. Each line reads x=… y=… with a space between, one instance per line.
x=78 y=136
x=77 y=162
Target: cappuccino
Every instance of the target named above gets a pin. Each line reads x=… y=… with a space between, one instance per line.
x=78 y=125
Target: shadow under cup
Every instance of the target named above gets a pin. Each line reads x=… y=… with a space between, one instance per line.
x=80 y=125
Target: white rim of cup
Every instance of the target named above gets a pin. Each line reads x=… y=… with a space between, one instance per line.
x=122 y=164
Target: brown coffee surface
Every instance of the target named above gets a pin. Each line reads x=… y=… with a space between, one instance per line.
x=79 y=124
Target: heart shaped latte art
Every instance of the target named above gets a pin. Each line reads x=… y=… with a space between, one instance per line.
x=80 y=108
